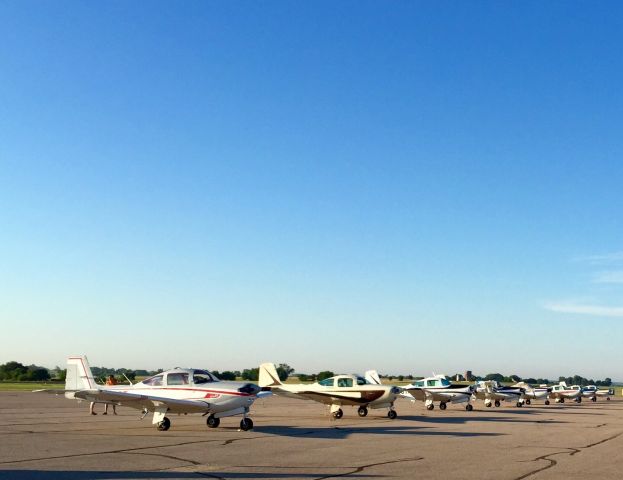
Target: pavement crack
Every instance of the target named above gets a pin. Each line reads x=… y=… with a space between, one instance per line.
x=370 y=465
x=185 y=460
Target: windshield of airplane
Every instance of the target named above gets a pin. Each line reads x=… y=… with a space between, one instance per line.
x=327 y=382
x=155 y=381
x=177 y=378
x=344 y=382
x=201 y=376
x=361 y=381
x=445 y=382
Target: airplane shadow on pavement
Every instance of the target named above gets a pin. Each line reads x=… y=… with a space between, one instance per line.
x=133 y=475
x=339 y=432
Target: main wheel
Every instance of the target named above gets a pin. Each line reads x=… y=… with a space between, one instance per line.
x=519 y=404
x=497 y=403
x=392 y=414
x=469 y=407
x=608 y=398
x=579 y=400
x=562 y=400
x=363 y=411
x=488 y=405
x=430 y=407
x=528 y=402
x=246 y=424
x=593 y=399
x=546 y=402
x=442 y=406
x=213 y=422
x=338 y=414
x=164 y=424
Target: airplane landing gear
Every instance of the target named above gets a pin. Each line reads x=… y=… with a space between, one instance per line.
x=528 y=402
x=488 y=404
x=497 y=403
x=546 y=402
x=392 y=414
x=579 y=399
x=442 y=406
x=363 y=411
x=164 y=424
x=430 y=406
x=338 y=414
x=246 y=424
x=213 y=422
x=469 y=407
x=519 y=404
x=594 y=399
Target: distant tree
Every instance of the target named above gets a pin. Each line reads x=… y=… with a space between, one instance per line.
x=12 y=371
x=251 y=374
x=515 y=378
x=284 y=371
x=530 y=381
x=325 y=374
x=409 y=377
x=37 y=374
x=401 y=378
x=227 y=375
x=495 y=376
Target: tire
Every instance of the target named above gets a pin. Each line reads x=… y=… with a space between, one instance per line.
x=528 y=402
x=594 y=399
x=497 y=403
x=469 y=407
x=362 y=411
x=546 y=402
x=430 y=407
x=213 y=422
x=519 y=404
x=164 y=424
x=392 y=414
x=442 y=406
x=338 y=414
x=246 y=424
x=488 y=405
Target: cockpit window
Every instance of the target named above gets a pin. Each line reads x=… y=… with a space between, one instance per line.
x=419 y=383
x=344 y=382
x=445 y=382
x=327 y=382
x=432 y=383
x=201 y=376
x=361 y=381
x=177 y=379
x=155 y=381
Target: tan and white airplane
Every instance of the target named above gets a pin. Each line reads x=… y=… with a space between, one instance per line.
x=181 y=391
x=562 y=392
x=337 y=391
x=592 y=392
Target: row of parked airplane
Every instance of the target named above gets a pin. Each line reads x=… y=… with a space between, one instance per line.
x=187 y=390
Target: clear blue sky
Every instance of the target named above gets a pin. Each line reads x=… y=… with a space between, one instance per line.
x=407 y=186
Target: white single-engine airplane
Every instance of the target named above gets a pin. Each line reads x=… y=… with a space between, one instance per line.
x=178 y=391
x=534 y=393
x=335 y=391
x=493 y=393
x=439 y=389
x=562 y=392
x=591 y=392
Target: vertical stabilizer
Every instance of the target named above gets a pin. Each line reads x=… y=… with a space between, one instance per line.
x=268 y=375
x=79 y=376
x=372 y=376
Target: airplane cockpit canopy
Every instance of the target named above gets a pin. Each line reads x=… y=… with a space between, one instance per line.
x=343 y=381
x=203 y=376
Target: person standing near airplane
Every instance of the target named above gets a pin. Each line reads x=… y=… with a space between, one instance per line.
x=111 y=380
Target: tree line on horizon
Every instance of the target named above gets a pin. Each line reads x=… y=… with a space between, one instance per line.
x=17 y=372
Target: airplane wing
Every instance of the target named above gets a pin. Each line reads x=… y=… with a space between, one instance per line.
x=138 y=400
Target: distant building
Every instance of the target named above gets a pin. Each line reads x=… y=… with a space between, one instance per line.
x=459 y=378
x=468 y=376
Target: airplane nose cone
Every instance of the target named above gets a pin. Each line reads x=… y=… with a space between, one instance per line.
x=250 y=389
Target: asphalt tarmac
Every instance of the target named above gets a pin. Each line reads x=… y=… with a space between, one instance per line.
x=48 y=437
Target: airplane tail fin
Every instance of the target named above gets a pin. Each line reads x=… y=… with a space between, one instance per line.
x=268 y=375
x=79 y=376
x=372 y=376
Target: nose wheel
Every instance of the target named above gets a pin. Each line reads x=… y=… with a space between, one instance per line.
x=497 y=403
x=442 y=406
x=246 y=424
x=164 y=424
x=469 y=407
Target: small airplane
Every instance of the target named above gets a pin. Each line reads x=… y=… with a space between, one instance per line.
x=181 y=391
x=592 y=392
x=439 y=389
x=534 y=393
x=493 y=393
x=562 y=392
x=336 y=391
